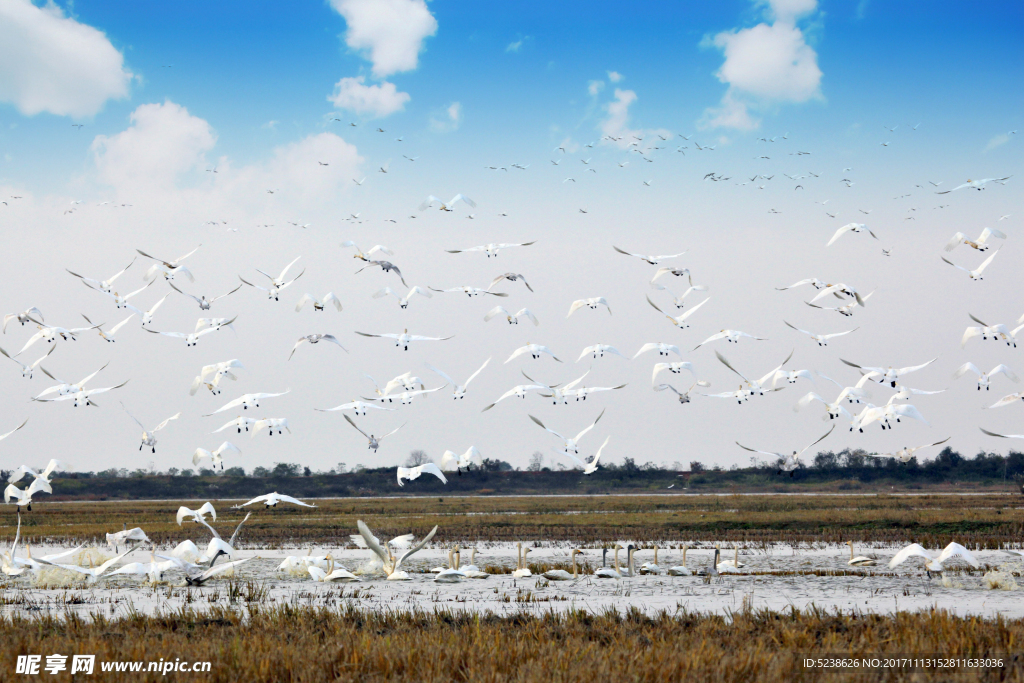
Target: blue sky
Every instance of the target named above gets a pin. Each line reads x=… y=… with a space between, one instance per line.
x=166 y=92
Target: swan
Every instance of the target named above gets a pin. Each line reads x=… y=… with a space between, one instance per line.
x=109 y=334
x=933 y=563
x=195 y=515
x=215 y=457
x=147 y=316
x=653 y=260
x=1008 y=399
x=860 y=560
x=534 y=350
x=102 y=285
x=884 y=413
x=492 y=249
x=92 y=574
x=446 y=206
x=390 y=563
x=316 y=339
x=789 y=462
x=469 y=291
x=403 y=301
x=168 y=268
x=82 y=396
x=450 y=461
x=43 y=476
x=471 y=567
x=813 y=281
x=519 y=390
x=279 y=280
x=678 y=272
x=217 y=371
x=839 y=290
x=996 y=332
x=27 y=371
x=976 y=273
x=274 y=292
x=791 y=376
x=23 y=317
x=593 y=302
x=975 y=184
x=365 y=256
x=64 y=388
x=135 y=534
x=728 y=335
x=679 y=321
x=452 y=574
x=332 y=574
x=741 y=394
x=357 y=407
x=679 y=299
x=196 y=576
x=511 y=277
x=23 y=498
x=204 y=303
x=270 y=500
x=584 y=391
x=680 y=569
x=406 y=397
x=239 y=422
x=598 y=351
x=850 y=227
x=711 y=569
x=411 y=473
x=651 y=567
x=756 y=386
x=405 y=338
x=890 y=374
x=558 y=393
x=570 y=444
x=981 y=244
x=149 y=437
x=675 y=368
x=1002 y=436
x=460 y=389
x=192 y=338
x=318 y=304
x=833 y=409
x=522 y=571
x=385 y=266
x=4 y=436
x=246 y=401
x=50 y=334
x=845 y=310
x=662 y=348
x=588 y=467
x=731 y=566
x=152 y=570
x=561 y=574
x=513 y=319
x=374 y=440
x=822 y=339
x=683 y=396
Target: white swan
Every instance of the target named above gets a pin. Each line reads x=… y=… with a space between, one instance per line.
x=405 y=338
x=679 y=320
x=204 y=303
x=653 y=260
x=570 y=444
x=192 y=338
x=860 y=560
x=511 y=277
x=662 y=348
x=390 y=564
x=534 y=350
x=998 y=332
x=446 y=206
x=522 y=571
x=588 y=467
x=513 y=319
x=598 y=351
x=43 y=476
x=270 y=500
x=730 y=566
x=196 y=515
x=50 y=334
x=23 y=498
x=27 y=371
x=332 y=574
x=822 y=339
x=135 y=534
x=239 y=423
x=102 y=285
x=318 y=304
x=850 y=227
x=890 y=374
x=492 y=249
x=216 y=457
x=981 y=244
x=403 y=301
x=680 y=569
x=728 y=335
x=108 y=336
x=788 y=462
x=561 y=574
x=246 y=401
x=679 y=300
x=976 y=273
x=593 y=302
x=149 y=437
x=450 y=462
x=217 y=371
x=411 y=473
x=270 y=423
x=316 y=339
x=365 y=256
x=460 y=389
x=452 y=574
x=373 y=440
x=357 y=407
x=1008 y=399
x=683 y=396
x=92 y=574
x=975 y=184
x=933 y=563
x=168 y=268
x=519 y=390
x=651 y=567
x=23 y=317
x=274 y=292
x=82 y=396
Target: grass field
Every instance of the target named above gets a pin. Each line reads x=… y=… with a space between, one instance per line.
x=985 y=521
x=287 y=643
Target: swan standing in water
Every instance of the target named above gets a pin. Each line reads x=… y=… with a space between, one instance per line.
x=389 y=563
x=651 y=567
x=616 y=573
x=731 y=566
x=860 y=560
x=522 y=571
x=681 y=569
x=561 y=574
x=452 y=574
x=471 y=570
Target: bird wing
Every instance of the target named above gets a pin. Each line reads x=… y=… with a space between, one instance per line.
x=817 y=442
x=392 y=431
x=690 y=312
x=431 y=468
x=473 y=376
x=571 y=456
x=984 y=264
x=907 y=410
x=954 y=550
x=594 y=424
x=417 y=337
x=839 y=234
x=956 y=241
x=495 y=311
x=912 y=368
x=227 y=406
x=754 y=450
x=954 y=265
x=838 y=334
x=164 y=423
x=545 y=428
x=357 y=427
x=726 y=364
x=912 y=550
x=1002 y=436
x=295 y=501
x=576 y=305
x=411 y=551
x=714 y=337
x=809 y=334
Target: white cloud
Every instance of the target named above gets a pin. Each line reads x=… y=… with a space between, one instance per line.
x=391 y=31
x=997 y=141
x=50 y=62
x=514 y=47
x=617 y=123
x=765 y=65
x=372 y=100
x=163 y=142
x=449 y=121
x=594 y=87
x=615 y=76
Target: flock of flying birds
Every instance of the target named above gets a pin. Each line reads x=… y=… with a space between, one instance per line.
x=174 y=278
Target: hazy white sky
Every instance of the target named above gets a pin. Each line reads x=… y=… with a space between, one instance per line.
x=467 y=88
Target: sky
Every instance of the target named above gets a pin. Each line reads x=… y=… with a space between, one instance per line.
x=162 y=127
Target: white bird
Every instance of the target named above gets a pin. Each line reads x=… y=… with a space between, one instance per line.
x=279 y=280
x=981 y=244
x=217 y=371
x=446 y=206
x=592 y=302
x=374 y=441
x=103 y=285
x=679 y=321
x=50 y=334
x=403 y=301
x=675 y=368
x=23 y=498
x=813 y=281
x=822 y=339
x=512 y=319
x=195 y=515
x=681 y=569
x=152 y=570
x=889 y=375
x=976 y=273
x=411 y=473
x=850 y=227
x=518 y=390
x=996 y=332
x=588 y=467
x=214 y=324
x=1008 y=399
x=1003 y=436
x=405 y=338
x=584 y=391
x=270 y=500
x=316 y=339
x=121 y=301
x=274 y=292
x=882 y=415
x=839 y=290
x=792 y=376
x=390 y=564
x=661 y=347
x=82 y=396
x=405 y=397
x=318 y=304
x=558 y=394
x=860 y=560
x=64 y=388
x=450 y=461
x=833 y=409
x=788 y=462
x=534 y=350
x=246 y=401
x=146 y=316
x=196 y=576
x=934 y=564
x=469 y=291
x=975 y=184
x=270 y=423
x=561 y=574
x=985 y=378
x=460 y=389
x=239 y=423
x=844 y=310
x=491 y=249
x=43 y=476
x=192 y=338
x=521 y=571
x=365 y=256
x=679 y=300
x=92 y=574
x=616 y=573
x=27 y=370
x=728 y=335
x=653 y=260
x=905 y=455
x=109 y=335
x=357 y=407
x=730 y=566
x=23 y=317
x=684 y=396
x=204 y=303
x=598 y=351
x=149 y=437
x=216 y=457
x=511 y=277
x=168 y=268
x=135 y=534
x=570 y=444
x=332 y=573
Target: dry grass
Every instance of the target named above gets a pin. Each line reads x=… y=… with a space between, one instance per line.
x=984 y=521
x=309 y=645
